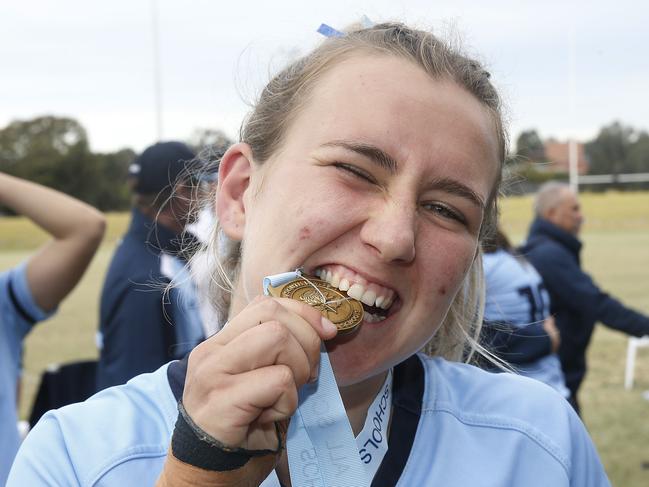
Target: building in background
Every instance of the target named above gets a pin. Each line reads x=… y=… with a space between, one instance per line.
x=557 y=157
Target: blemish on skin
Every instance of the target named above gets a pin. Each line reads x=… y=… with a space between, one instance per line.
x=442 y=291
x=305 y=233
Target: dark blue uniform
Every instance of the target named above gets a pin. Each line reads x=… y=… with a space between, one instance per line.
x=576 y=301
x=141 y=326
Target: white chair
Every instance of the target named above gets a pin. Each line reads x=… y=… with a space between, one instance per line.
x=632 y=348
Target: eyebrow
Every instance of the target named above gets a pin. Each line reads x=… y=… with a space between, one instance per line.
x=386 y=161
x=376 y=155
x=455 y=187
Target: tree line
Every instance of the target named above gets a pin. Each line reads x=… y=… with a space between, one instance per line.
x=617 y=149
x=54 y=151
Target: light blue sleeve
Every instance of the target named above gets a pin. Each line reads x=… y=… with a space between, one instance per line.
x=43 y=463
x=24 y=312
x=118 y=437
x=587 y=469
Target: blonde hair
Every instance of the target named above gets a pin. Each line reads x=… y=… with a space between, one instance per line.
x=281 y=100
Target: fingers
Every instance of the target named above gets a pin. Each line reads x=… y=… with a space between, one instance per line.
x=271 y=343
x=234 y=403
x=264 y=308
x=248 y=375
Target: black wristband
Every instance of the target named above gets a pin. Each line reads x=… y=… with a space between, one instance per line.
x=190 y=444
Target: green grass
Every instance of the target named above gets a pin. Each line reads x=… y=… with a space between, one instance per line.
x=616 y=253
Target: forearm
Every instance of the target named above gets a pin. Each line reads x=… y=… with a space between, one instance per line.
x=76 y=228
x=616 y=315
x=57 y=213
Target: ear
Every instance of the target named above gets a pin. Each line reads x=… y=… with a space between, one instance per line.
x=234 y=179
x=549 y=214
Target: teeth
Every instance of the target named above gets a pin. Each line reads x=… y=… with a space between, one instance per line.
x=335 y=280
x=370 y=318
x=356 y=291
x=369 y=297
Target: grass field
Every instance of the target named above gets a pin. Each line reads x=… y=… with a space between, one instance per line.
x=616 y=253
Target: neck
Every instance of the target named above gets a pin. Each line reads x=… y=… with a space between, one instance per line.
x=357 y=399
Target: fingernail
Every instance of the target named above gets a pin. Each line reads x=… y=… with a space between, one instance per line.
x=328 y=326
x=316 y=373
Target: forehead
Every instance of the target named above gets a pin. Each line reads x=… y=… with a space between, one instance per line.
x=395 y=105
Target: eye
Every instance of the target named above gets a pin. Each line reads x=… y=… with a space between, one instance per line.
x=445 y=212
x=356 y=171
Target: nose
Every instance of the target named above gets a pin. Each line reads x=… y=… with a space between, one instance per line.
x=391 y=230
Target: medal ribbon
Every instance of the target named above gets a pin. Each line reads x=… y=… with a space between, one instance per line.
x=322 y=450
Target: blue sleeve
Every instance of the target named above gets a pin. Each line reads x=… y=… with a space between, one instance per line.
x=137 y=336
x=579 y=293
x=586 y=467
x=516 y=345
x=18 y=305
x=35 y=467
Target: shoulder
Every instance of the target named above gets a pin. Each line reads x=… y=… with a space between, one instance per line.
x=121 y=432
x=522 y=419
x=133 y=257
x=456 y=386
x=547 y=253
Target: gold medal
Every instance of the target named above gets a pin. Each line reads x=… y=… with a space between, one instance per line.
x=344 y=312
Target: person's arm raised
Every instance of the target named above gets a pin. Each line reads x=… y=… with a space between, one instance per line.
x=76 y=229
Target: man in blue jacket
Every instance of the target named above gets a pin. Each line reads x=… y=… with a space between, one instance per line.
x=576 y=301
x=144 y=325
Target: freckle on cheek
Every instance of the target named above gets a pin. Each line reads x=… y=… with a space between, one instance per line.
x=442 y=291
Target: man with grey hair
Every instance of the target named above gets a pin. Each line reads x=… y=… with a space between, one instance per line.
x=576 y=301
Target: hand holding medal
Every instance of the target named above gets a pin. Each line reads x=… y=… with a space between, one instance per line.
x=246 y=378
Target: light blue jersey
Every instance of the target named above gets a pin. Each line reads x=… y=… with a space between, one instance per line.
x=452 y=425
x=18 y=313
x=516 y=296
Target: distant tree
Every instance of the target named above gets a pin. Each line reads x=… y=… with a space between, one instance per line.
x=210 y=145
x=609 y=151
x=529 y=147
x=31 y=148
x=54 y=151
x=638 y=157
x=210 y=138
x=111 y=191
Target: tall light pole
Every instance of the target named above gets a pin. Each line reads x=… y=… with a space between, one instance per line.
x=572 y=89
x=157 y=84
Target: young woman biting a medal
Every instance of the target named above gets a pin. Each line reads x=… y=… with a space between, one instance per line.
x=365 y=178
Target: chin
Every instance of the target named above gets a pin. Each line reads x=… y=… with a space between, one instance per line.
x=355 y=358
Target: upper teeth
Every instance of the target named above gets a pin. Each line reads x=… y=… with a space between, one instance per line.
x=357 y=288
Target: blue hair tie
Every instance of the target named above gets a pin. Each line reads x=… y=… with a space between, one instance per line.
x=328 y=31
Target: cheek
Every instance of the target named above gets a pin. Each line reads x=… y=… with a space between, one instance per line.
x=449 y=262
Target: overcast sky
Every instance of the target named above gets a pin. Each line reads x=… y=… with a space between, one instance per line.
x=93 y=60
